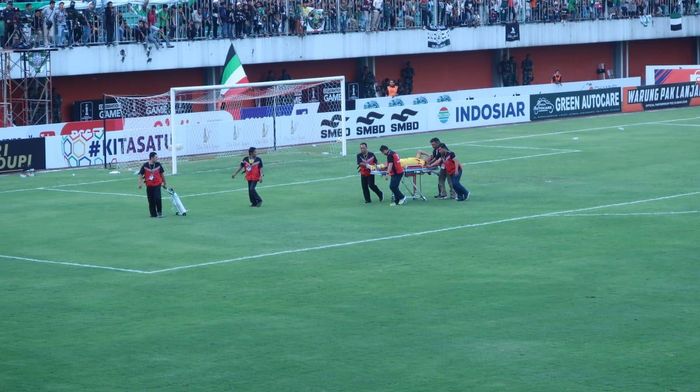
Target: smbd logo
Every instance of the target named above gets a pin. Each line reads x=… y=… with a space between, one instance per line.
x=333 y=124
x=370 y=129
x=404 y=124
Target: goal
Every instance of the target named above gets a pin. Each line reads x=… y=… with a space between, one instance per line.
x=225 y=119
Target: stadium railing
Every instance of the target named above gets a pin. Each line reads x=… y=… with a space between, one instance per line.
x=207 y=19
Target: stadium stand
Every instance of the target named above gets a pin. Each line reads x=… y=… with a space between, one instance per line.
x=157 y=22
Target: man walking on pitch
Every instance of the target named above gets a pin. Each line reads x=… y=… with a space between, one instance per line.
x=395 y=171
x=433 y=160
x=365 y=160
x=153 y=175
x=253 y=167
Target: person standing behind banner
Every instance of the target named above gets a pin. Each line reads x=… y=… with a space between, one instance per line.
x=392 y=89
x=365 y=160
x=253 y=167
x=153 y=175
x=454 y=169
x=395 y=171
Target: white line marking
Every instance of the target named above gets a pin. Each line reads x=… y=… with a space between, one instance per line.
x=558 y=132
x=65 y=185
x=515 y=158
x=683 y=125
x=272 y=186
x=419 y=233
x=667 y=213
x=72 y=264
x=91 y=192
x=523 y=147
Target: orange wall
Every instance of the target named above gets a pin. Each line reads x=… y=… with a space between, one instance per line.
x=576 y=62
x=307 y=69
x=76 y=88
x=660 y=52
x=440 y=71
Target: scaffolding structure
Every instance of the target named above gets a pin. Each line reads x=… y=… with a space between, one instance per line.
x=27 y=93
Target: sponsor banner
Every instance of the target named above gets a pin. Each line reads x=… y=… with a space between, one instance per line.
x=479 y=112
x=463 y=95
x=636 y=99
x=575 y=103
x=438 y=38
x=512 y=32
x=668 y=74
x=352 y=92
x=22 y=154
x=96 y=109
x=31 y=131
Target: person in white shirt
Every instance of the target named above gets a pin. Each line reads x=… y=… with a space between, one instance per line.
x=377 y=6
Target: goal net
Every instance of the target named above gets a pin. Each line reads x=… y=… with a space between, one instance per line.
x=222 y=120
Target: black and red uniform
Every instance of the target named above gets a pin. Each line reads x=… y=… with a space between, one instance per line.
x=252 y=168
x=455 y=172
x=396 y=175
x=366 y=176
x=152 y=174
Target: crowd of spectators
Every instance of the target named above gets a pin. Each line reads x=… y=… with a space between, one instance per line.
x=67 y=24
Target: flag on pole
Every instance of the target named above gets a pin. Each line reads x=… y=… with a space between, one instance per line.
x=233 y=74
x=233 y=69
x=676 y=21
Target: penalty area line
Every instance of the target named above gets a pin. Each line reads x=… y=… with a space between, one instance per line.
x=72 y=264
x=419 y=233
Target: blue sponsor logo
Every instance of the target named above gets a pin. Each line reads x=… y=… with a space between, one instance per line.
x=490 y=112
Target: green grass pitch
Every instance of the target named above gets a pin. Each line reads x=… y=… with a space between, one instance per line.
x=574 y=267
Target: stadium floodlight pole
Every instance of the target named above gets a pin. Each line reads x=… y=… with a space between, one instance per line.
x=173 y=149
x=343 y=135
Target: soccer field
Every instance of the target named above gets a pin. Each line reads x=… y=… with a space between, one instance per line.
x=574 y=267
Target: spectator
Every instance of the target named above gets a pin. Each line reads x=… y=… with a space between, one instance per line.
x=56 y=103
x=141 y=33
x=512 y=70
x=74 y=32
x=240 y=21
x=388 y=15
x=528 y=74
x=407 y=78
x=164 y=19
x=196 y=21
x=93 y=23
x=392 y=89
x=556 y=78
x=61 y=21
x=10 y=15
x=38 y=27
x=376 y=12
x=215 y=19
x=285 y=75
x=151 y=17
x=156 y=36
x=110 y=23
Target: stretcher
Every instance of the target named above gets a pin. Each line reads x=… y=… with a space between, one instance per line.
x=412 y=180
x=177 y=203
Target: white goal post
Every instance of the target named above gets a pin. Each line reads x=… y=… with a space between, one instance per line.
x=222 y=119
